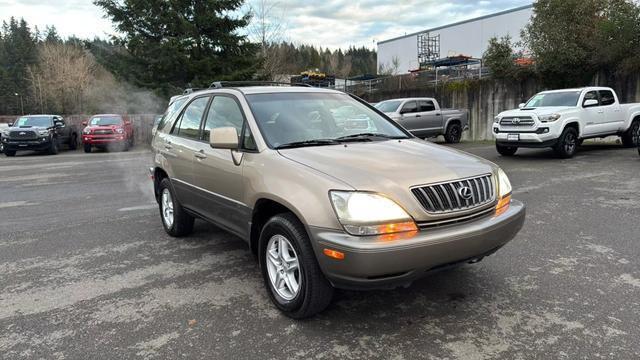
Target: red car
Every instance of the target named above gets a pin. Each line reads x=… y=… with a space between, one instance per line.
x=108 y=131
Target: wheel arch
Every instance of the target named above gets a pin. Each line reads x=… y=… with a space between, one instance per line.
x=263 y=210
x=158 y=175
x=574 y=124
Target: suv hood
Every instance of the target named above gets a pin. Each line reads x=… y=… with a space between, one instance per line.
x=390 y=166
x=536 y=111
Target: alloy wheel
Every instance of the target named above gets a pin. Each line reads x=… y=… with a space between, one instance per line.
x=167 y=208
x=283 y=267
x=569 y=143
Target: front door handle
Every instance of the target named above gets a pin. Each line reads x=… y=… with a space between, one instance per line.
x=417 y=116
x=168 y=146
x=200 y=155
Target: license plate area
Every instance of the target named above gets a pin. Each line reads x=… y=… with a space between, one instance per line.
x=513 y=137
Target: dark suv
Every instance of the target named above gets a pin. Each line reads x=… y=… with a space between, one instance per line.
x=40 y=133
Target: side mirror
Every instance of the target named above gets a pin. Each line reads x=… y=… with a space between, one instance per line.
x=10 y=124
x=590 y=103
x=224 y=138
x=58 y=124
x=84 y=123
x=521 y=106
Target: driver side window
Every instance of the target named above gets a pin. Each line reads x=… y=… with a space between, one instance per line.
x=409 y=107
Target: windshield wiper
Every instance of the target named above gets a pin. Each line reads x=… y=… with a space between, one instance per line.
x=366 y=137
x=317 y=142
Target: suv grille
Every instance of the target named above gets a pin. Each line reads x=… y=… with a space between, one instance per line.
x=517 y=121
x=23 y=135
x=447 y=197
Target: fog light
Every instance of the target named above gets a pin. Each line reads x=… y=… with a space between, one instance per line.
x=542 y=130
x=495 y=130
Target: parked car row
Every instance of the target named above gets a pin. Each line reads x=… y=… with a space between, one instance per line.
x=51 y=132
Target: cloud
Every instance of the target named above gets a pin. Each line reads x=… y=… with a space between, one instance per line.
x=327 y=23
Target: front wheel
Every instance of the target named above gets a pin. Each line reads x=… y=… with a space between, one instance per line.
x=87 y=148
x=567 y=143
x=291 y=273
x=506 y=150
x=453 y=133
x=631 y=138
x=53 y=148
x=175 y=220
x=73 y=143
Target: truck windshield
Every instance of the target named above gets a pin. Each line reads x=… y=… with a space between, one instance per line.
x=388 y=106
x=105 y=120
x=35 y=121
x=564 y=98
x=314 y=119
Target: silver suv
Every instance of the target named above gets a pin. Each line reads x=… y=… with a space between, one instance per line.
x=326 y=190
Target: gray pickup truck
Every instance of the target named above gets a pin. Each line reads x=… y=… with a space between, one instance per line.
x=423 y=117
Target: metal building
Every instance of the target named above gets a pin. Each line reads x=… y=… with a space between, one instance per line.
x=469 y=38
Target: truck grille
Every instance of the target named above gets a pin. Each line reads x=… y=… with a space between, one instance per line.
x=447 y=197
x=23 y=135
x=103 y=132
x=517 y=121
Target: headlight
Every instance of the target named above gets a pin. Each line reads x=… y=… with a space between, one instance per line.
x=504 y=190
x=549 y=118
x=43 y=132
x=120 y=131
x=86 y=131
x=496 y=119
x=363 y=213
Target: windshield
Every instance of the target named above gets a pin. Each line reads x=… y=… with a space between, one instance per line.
x=565 y=98
x=36 y=121
x=388 y=106
x=105 y=120
x=286 y=118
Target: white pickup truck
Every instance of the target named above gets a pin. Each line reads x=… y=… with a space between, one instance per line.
x=562 y=119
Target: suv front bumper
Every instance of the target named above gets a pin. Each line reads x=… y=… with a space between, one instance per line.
x=377 y=263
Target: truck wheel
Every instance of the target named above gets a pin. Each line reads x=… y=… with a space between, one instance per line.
x=506 y=150
x=73 y=143
x=567 y=143
x=453 y=133
x=53 y=148
x=175 y=220
x=291 y=273
x=631 y=137
x=87 y=148
x=10 y=153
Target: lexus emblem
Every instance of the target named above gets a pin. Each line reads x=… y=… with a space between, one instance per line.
x=465 y=192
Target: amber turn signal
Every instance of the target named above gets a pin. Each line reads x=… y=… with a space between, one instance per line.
x=503 y=205
x=334 y=254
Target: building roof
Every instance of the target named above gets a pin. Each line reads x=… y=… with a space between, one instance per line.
x=459 y=23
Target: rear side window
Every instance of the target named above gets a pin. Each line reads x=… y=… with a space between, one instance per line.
x=607 y=98
x=426 y=105
x=171 y=113
x=188 y=126
x=410 y=107
x=223 y=112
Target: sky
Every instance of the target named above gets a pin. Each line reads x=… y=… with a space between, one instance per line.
x=326 y=23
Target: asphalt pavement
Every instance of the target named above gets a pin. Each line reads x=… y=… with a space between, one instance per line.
x=86 y=271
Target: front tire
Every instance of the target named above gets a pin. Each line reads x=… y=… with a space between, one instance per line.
x=291 y=273
x=73 y=143
x=506 y=150
x=453 y=133
x=631 y=138
x=87 y=148
x=53 y=148
x=175 y=220
x=567 y=143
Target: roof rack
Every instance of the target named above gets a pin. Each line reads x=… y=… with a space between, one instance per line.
x=223 y=84
x=191 y=91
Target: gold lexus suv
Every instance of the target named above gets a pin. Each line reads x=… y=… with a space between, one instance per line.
x=327 y=191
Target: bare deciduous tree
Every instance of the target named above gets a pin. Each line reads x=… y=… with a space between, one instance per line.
x=268 y=28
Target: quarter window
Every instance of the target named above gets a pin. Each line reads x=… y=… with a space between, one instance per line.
x=171 y=112
x=189 y=124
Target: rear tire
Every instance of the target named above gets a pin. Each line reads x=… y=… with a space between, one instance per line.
x=313 y=292
x=506 y=150
x=175 y=220
x=567 y=143
x=453 y=133
x=631 y=137
x=10 y=153
x=87 y=148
